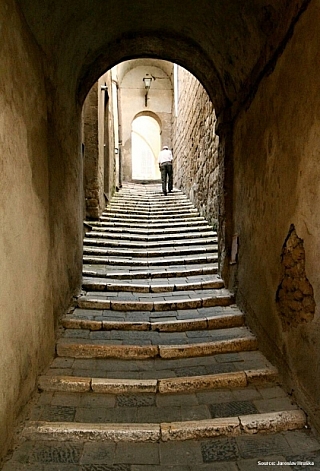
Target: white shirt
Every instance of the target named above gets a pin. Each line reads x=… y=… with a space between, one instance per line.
x=165 y=155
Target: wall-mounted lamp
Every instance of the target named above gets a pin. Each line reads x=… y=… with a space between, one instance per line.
x=147 y=84
x=116 y=150
x=104 y=88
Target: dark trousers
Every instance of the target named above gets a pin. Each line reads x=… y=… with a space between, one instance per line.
x=166 y=174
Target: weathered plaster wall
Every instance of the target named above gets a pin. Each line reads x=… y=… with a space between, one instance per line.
x=277 y=174
x=26 y=312
x=196 y=167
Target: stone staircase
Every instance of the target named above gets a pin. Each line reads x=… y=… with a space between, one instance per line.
x=155 y=368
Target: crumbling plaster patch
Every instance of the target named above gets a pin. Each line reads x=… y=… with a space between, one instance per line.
x=294 y=298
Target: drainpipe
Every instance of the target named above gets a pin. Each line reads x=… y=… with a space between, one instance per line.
x=119 y=134
x=119 y=141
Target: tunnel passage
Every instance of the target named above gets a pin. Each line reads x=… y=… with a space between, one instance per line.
x=61 y=49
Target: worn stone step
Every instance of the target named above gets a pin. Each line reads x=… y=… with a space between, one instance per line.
x=150 y=198
x=151 y=227
x=149 y=252
x=152 y=262
x=150 y=213
x=157 y=337
x=146 y=208
x=155 y=407
x=258 y=368
x=135 y=273
x=233 y=426
x=146 y=244
x=153 y=218
x=170 y=321
x=145 y=286
x=153 y=223
x=149 y=231
x=121 y=236
x=150 y=193
x=181 y=385
x=119 y=345
x=159 y=375
x=166 y=301
x=176 y=193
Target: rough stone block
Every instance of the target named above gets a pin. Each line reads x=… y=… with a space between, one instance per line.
x=179 y=325
x=61 y=431
x=200 y=429
x=64 y=384
x=123 y=386
x=273 y=421
x=196 y=383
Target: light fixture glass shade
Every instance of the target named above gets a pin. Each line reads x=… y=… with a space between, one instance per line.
x=147 y=82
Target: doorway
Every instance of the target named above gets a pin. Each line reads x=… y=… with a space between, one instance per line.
x=145 y=147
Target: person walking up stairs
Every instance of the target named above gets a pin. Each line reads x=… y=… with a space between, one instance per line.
x=155 y=368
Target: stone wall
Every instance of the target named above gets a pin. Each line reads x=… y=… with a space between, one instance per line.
x=93 y=166
x=276 y=211
x=26 y=301
x=98 y=136
x=195 y=146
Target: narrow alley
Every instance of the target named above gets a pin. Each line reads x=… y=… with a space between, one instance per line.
x=155 y=368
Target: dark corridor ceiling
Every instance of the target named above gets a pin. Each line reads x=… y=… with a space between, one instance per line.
x=224 y=43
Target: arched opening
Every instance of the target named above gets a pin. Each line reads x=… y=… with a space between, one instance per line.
x=145 y=147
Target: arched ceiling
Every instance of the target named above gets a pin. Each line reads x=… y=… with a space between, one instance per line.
x=125 y=67
x=225 y=43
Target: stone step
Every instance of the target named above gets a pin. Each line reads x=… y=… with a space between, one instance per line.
x=173 y=236
x=152 y=262
x=157 y=401
x=155 y=197
x=152 y=213
x=148 y=207
x=167 y=221
x=136 y=273
x=145 y=286
x=233 y=370
x=148 y=252
x=165 y=301
x=151 y=227
x=240 y=425
x=166 y=244
x=186 y=384
x=149 y=195
x=142 y=345
x=166 y=431
x=196 y=373
x=147 y=231
x=170 y=321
